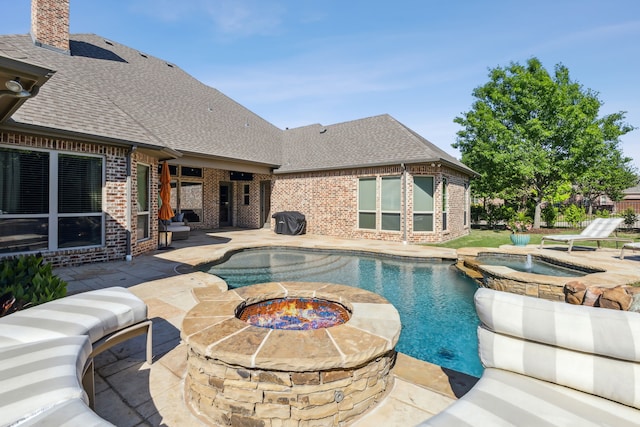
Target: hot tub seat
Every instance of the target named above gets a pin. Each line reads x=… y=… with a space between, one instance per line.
x=46 y=354
x=551 y=363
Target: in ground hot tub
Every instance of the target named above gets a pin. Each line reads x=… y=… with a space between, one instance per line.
x=242 y=373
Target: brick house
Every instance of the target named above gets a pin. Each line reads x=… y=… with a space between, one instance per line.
x=85 y=123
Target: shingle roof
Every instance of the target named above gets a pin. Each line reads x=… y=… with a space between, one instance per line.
x=373 y=141
x=108 y=90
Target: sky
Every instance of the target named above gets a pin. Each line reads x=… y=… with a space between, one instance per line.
x=296 y=62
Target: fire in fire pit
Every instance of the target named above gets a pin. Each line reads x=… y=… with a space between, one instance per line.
x=294 y=314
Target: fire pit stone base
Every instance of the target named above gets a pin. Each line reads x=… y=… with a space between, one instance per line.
x=233 y=395
x=243 y=375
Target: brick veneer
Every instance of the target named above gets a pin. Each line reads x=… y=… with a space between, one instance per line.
x=328 y=199
x=114 y=203
x=50 y=23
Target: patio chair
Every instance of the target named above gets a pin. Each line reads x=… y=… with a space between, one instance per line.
x=634 y=246
x=600 y=229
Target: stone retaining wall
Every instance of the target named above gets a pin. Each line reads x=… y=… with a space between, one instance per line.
x=618 y=298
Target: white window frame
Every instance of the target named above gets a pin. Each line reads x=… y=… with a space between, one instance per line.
x=54 y=215
x=143 y=213
x=395 y=212
x=368 y=211
x=467 y=205
x=424 y=212
x=445 y=203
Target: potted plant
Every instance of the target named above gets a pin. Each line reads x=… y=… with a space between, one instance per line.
x=519 y=225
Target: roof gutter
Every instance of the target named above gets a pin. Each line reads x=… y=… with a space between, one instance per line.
x=158 y=150
x=442 y=161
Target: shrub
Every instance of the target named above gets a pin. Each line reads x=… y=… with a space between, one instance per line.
x=630 y=217
x=574 y=215
x=497 y=214
x=520 y=222
x=604 y=213
x=477 y=213
x=27 y=280
x=550 y=215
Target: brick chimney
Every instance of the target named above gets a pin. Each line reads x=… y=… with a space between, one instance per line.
x=50 y=24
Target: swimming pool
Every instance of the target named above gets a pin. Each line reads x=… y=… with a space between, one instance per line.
x=434 y=299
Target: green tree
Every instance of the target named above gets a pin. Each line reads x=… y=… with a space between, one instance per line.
x=529 y=132
x=550 y=215
x=630 y=217
x=609 y=174
x=574 y=215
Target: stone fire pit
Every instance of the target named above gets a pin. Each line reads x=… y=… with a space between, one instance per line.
x=246 y=375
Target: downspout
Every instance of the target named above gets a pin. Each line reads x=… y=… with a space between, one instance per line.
x=128 y=256
x=404 y=202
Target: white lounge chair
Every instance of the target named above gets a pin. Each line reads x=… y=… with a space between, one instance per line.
x=633 y=246
x=600 y=229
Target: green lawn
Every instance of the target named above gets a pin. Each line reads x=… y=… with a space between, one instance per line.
x=496 y=238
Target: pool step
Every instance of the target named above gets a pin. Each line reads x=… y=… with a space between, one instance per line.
x=469 y=267
x=312 y=271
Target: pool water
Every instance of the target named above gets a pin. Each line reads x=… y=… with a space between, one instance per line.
x=434 y=299
x=529 y=264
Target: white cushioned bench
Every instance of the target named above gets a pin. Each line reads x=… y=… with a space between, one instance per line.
x=46 y=355
x=180 y=232
x=179 y=229
x=551 y=364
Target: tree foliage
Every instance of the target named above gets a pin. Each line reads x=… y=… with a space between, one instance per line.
x=529 y=132
x=609 y=175
x=574 y=215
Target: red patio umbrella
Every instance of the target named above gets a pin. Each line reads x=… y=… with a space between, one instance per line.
x=165 y=213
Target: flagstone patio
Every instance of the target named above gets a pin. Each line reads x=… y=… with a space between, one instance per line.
x=130 y=392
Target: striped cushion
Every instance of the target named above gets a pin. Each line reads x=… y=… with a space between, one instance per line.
x=591 y=330
x=590 y=349
x=72 y=413
x=94 y=313
x=36 y=376
x=504 y=398
x=613 y=379
x=599 y=228
x=602 y=227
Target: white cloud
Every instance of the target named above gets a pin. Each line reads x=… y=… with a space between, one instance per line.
x=338 y=68
x=238 y=18
x=245 y=17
